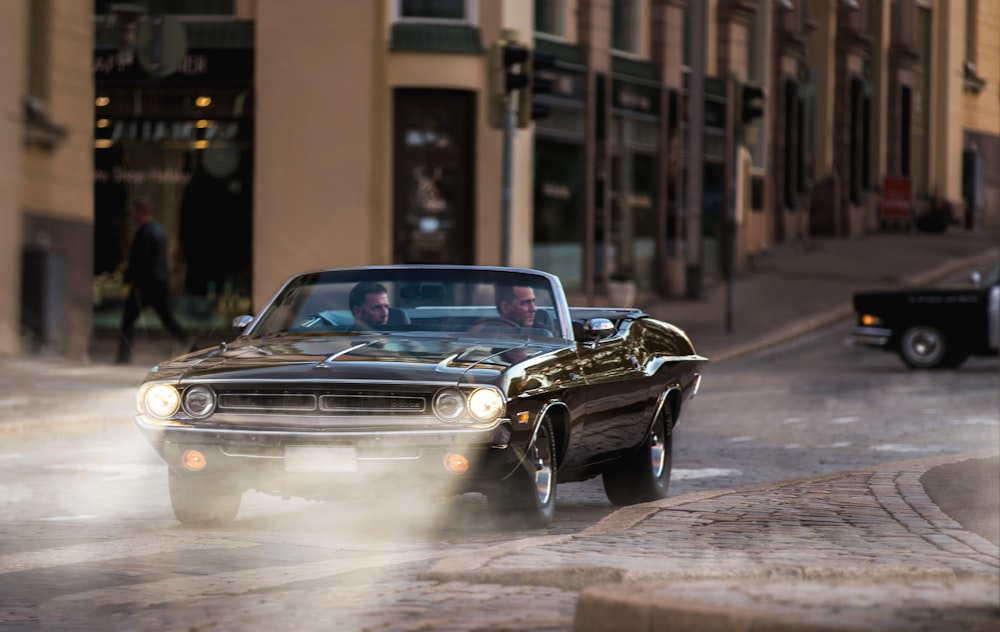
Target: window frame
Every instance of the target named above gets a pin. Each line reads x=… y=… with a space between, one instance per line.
x=561 y=16
x=635 y=28
x=471 y=11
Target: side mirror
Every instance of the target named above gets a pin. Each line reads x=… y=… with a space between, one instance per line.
x=597 y=328
x=240 y=323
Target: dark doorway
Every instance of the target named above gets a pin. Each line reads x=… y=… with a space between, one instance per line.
x=433 y=177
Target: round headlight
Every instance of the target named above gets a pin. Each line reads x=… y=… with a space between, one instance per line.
x=485 y=404
x=449 y=404
x=161 y=400
x=199 y=401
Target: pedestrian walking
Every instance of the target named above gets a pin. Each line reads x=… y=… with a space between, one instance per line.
x=148 y=275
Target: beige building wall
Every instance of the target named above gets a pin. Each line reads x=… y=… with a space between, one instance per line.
x=13 y=23
x=315 y=138
x=60 y=182
x=946 y=100
x=880 y=107
x=323 y=168
x=46 y=191
x=820 y=52
x=982 y=110
x=469 y=72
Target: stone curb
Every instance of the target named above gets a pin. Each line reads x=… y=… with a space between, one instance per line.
x=782 y=606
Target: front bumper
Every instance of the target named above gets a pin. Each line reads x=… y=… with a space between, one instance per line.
x=871 y=336
x=257 y=457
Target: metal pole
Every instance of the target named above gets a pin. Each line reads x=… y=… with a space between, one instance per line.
x=731 y=233
x=505 y=187
x=696 y=152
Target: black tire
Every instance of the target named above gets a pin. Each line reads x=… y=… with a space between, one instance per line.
x=924 y=347
x=203 y=500
x=645 y=475
x=527 y=498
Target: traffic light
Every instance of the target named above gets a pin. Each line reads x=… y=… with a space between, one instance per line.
x=504 y=78
x=751 y=103
x=527 y=109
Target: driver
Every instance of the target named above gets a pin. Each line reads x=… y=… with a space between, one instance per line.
x=369 y=302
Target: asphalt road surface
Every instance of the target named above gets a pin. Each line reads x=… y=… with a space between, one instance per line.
x=89 y=536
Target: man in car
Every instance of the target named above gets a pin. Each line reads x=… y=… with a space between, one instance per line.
x=516 y=303
x=369 y=302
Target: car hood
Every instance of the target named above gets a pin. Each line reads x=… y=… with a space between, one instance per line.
x=390 y=356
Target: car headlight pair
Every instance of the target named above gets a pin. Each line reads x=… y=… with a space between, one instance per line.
x=164 y=400
x=454 y=405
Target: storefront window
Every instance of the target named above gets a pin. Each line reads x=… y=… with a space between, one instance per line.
x=550 y=17
x=434 y=9
x=185 y=142
x=174 y=7
x=626 y=25
x=433 y=210
x=558 y=227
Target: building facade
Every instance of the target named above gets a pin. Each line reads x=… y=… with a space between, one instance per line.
x=275 y=137
x=46 y=195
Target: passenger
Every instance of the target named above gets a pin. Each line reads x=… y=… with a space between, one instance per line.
x=369 y=303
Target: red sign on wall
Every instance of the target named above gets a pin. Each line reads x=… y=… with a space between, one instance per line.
x=897 y=198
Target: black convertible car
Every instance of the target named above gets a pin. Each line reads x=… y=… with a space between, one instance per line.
x=455 y=378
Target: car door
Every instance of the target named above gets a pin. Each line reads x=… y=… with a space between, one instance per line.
x=617 y=397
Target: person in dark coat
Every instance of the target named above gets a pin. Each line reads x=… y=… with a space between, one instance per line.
x=148 y=275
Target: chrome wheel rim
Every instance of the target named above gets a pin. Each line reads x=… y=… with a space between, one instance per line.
x=924 y=345
x=543 y=468
x=657 y=452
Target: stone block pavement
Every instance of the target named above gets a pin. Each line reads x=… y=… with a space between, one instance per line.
x=864 y=549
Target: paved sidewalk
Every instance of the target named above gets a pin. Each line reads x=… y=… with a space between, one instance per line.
x=867 y=549
x=857 y=550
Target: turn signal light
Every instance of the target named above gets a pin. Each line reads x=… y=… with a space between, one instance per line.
x=456 y=463
x=193 y=460
x=868 y=320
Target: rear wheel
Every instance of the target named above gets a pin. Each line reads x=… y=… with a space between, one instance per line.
x=527 y=498
x=204 y=500
x=644 y=476
x=924 y=347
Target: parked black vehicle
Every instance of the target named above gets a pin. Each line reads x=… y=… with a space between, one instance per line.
x=443 y=391
x=932 y=328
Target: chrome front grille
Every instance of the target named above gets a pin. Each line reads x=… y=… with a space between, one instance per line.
x=331 y=403
x=267 y=401
x=372 y=403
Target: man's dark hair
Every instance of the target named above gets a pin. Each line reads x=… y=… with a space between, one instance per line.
x=503 y=292
x=363 y=289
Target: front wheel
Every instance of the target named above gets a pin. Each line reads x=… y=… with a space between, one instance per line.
x=204 y=500
x=644 y=476
x=527 y=498
x=924 y=347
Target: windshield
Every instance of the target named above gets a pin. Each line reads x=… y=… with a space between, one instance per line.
x=483 y=301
